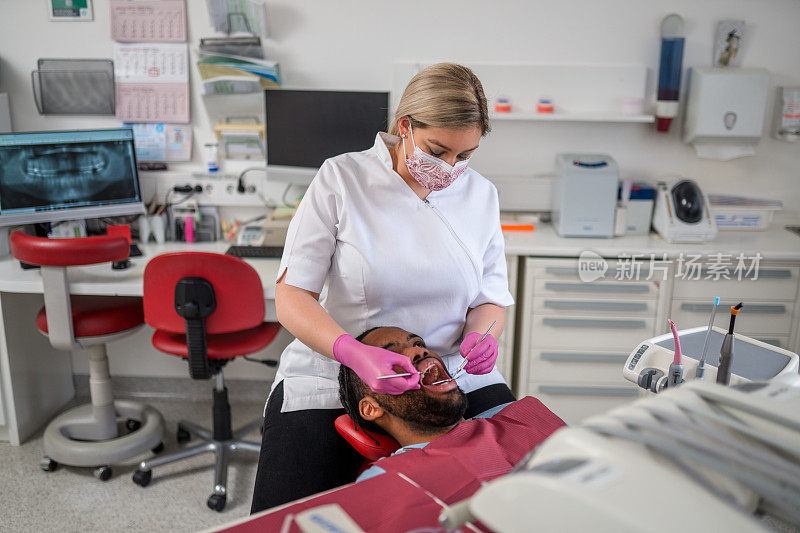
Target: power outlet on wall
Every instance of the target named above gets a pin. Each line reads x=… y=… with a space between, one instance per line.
x=219 y=191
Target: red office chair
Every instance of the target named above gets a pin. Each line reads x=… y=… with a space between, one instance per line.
x=207 y=308
x=89 y=435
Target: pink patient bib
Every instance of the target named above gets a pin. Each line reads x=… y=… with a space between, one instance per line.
x=452 y=467
x=417 y=483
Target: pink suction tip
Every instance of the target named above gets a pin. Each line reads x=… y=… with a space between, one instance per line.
x=678 y=359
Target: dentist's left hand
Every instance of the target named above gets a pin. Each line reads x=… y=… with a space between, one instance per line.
x=369 y=362
x=480 y=355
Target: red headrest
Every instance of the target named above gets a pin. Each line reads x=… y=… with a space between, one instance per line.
x=68 y=252
x=363 y=442
x=237 y=290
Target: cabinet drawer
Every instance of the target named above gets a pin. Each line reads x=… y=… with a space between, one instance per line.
x=589 y=332
x=590 y=305
x=595 y=289
x=574 y=403
x=760 y=318
x=567 y=269
x=572 y=366
x=773 y=283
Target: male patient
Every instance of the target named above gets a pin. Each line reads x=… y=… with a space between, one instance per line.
x=439 y=449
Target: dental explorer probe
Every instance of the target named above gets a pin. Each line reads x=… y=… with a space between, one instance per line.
x=701 y=366
x=464 y=362
x=726 y=352
x=403 y=374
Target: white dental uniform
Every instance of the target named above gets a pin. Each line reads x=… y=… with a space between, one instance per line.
x=387 y=258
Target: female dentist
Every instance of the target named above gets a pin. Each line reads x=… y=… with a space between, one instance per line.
x=405 y=234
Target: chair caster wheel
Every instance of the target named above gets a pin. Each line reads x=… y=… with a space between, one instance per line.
x=47 y=464
x=103 y=473
x=142 y=477
x=158 y=449
x=132 y=425
x=216 y=502
x=183 y=435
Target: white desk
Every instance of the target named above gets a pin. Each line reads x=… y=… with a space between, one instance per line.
x=35 y=379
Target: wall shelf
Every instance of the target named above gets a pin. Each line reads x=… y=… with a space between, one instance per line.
x=581 y=93
x=572 y=117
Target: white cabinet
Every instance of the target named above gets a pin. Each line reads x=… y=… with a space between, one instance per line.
x=574 y=335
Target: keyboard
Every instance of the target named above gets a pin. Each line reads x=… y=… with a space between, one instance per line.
x=255 y=252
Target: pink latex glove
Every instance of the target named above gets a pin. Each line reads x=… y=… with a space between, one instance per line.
x=369 y=362
x=481 y=358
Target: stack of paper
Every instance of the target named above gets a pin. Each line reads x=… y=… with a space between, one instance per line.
x=230 y=74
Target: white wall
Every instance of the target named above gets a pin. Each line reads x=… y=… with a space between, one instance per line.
x=350 y=44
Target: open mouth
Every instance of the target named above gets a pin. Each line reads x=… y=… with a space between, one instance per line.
x=433 y=374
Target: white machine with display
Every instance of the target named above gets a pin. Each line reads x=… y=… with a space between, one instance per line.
x=698 y=456
x=701 y=457
x=683 y=213
x=649 y=362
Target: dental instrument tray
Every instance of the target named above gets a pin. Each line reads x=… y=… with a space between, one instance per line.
x=755 y=360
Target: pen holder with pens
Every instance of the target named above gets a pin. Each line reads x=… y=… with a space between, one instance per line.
x=203 y=223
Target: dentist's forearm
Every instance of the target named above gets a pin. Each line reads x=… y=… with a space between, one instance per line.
x=301 y=314
x=480 y=318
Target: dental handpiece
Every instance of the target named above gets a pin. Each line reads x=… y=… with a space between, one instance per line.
x=726 y=352
x=675 y=376
x=701 y=366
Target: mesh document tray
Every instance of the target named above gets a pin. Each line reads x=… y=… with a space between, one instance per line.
x=74 y=86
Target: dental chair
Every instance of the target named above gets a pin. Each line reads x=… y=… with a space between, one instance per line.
x=207 y=308
x=372 y=446
x=106 y=430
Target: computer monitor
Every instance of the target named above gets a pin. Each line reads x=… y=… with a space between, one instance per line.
x=67 y=175
x=304 y=128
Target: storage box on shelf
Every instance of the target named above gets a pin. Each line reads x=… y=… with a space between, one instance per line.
x=575 y=335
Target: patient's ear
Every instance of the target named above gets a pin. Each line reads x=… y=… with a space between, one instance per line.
x=369 y=409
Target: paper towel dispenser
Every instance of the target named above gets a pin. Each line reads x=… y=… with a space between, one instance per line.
x=726 y=105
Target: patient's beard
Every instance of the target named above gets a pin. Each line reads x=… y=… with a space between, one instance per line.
x=425 y=413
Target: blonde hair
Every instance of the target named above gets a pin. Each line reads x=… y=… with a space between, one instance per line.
x=444 y=95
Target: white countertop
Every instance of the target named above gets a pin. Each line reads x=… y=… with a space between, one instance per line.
x=775 y=243
x=102 y=280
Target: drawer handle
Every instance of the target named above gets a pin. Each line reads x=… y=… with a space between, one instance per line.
x=573 y=271
x=770 y=273
x=596 y=306
x=593 y=323
x=588 y=391
x=597 y=287
x=563 y=357
x=752 y=308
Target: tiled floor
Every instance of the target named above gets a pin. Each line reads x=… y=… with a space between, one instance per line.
x=72 y=499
